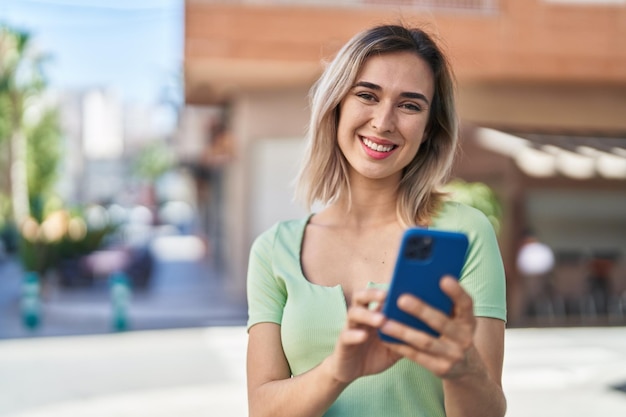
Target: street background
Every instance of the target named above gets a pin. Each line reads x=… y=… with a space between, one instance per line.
x=188 y=153
x=576 y=372
x=181 y=293
x=184 y=356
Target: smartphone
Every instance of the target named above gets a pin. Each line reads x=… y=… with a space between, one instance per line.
x=425 y=256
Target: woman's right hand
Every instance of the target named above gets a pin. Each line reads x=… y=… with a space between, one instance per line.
x=273 y=391
x=359 y=350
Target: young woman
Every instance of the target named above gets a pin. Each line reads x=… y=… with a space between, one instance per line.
x=381 y=139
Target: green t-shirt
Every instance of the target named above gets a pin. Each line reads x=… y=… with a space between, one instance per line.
x=311 y=316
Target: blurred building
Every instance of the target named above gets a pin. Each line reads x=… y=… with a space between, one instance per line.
x=92 y=166
x=102 y=135
x=541 y=92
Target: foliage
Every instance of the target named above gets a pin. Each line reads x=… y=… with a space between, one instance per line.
x=30 y=139
x=21 y=67
x=40 y=228
x=155 y=160
x=5 y=210
x=43 y=156
x=61 y=235
x=479 y=196
x=6 y=111
x=8 y=232
x=21 y=77
x=22 y=83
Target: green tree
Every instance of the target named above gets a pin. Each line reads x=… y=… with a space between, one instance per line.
x=153 y=161
x=479 y=196
x=21 y=81
x=42 y=162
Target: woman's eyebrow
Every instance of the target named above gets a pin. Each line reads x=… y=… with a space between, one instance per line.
x=406 y=94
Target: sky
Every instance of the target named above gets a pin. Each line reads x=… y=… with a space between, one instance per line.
x=132 y=46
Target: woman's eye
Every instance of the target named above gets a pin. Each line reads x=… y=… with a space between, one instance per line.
x=411 y=107
x=366 y=96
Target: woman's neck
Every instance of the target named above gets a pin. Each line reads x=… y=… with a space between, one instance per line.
x=370 y=204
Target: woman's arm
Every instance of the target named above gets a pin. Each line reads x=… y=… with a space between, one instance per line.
x=479 y=391
x=467 y=355
x=272 y=391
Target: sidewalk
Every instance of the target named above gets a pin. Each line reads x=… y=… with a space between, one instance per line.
x=569 y=372
x=182 y=373
x=75 y=364
x=201 y=372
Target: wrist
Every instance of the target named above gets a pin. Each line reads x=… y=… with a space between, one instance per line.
x=472 y=371
x=332 y=376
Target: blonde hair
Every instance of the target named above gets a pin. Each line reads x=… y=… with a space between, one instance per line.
x=324 y=174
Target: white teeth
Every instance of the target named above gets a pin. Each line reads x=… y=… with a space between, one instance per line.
x=376 y=147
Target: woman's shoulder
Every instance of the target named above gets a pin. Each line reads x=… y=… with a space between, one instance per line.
x=454 y=215
x=284 y=230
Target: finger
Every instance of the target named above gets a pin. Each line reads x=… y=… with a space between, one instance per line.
x=368 y=296
x=417 y=339
x=351 y=337
x=463 y=304
x=363 y=316
x=420 y=347
x=440 y=365
x=433 y=317
x=461 y=328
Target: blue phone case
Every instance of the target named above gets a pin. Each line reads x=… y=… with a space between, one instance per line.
x=425 y=256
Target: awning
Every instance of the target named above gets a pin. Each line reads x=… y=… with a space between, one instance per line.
x=577 y=157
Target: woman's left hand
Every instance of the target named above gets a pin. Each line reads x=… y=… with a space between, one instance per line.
x=450 y=355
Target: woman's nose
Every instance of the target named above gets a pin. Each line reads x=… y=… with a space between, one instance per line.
x=383 y=118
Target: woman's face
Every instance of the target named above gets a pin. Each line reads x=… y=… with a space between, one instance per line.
x=384 y=115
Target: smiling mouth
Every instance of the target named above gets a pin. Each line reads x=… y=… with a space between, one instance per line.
x=376 y=146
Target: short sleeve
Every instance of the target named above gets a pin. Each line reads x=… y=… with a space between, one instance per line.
x=483 y=275
x=266 y=293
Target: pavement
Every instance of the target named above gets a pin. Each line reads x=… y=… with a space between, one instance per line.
x=569 y=372
x=177 y=372
x=184 y=356
x=573 y=372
